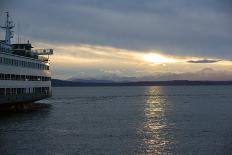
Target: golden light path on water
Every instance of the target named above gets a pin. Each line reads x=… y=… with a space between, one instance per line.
x=155 y=140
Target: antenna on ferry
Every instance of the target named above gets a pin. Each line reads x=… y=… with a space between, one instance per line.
x=8 y=26
x=18 y=32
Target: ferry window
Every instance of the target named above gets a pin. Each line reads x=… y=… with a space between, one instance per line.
x=6 y=61
x=23 y=77
x=15 y=62
x=1 y=76
x=13 y=77
x=13 y=90
x=8 y=91
x=19 y=91
x=7 y=76
x=17 y=77
x=27 y=90
x=2 y=91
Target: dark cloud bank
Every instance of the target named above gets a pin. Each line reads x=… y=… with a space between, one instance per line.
x=194 y=27
x=203 y=61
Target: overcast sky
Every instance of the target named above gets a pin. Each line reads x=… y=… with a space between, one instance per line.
x=178 y=28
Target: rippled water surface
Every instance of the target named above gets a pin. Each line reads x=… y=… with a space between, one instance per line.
x=124 y=120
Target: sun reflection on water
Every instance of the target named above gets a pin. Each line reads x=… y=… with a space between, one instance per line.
x=154 y=130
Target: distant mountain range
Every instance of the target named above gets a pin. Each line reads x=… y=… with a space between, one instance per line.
x=63 y=83
x=207 y=76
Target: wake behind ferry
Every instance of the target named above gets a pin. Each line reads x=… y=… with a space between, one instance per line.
x=24 y=73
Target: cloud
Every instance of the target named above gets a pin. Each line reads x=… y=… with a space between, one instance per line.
x=179 y=27
x=203 y=61
x=96 y=61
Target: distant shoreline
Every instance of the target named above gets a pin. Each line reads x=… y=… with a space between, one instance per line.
x=63 y=83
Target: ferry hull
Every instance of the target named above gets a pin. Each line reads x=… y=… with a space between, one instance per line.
x=22 y=98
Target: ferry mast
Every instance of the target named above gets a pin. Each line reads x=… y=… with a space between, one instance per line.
x=8 y=26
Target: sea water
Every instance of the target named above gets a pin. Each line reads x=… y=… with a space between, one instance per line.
x=124 y=120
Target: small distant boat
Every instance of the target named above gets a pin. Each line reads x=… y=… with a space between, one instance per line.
x=24 y=72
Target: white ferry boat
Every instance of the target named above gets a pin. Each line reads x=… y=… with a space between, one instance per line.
x=24 y=73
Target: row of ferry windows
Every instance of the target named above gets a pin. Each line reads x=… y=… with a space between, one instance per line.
x=2 y=49
x=18 y=91
x=23 y=77
x=20 y=63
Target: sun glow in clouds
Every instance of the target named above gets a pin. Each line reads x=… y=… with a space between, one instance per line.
x=96 y=60
x=158 y=58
